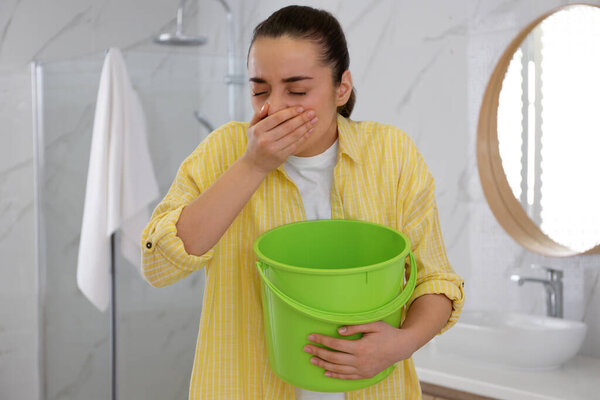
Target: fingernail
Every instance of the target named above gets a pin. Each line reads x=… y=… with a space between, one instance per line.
x=314 y=120
x=342 y=329
x=308 y=349
x=299 y=109
x=311 y=114
x=313 y=360
x=327 y=374
x=311 y=338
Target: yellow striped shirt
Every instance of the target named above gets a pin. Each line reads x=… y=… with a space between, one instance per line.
x=379 y=177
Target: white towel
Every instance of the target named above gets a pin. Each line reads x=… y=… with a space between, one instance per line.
x=121 y=181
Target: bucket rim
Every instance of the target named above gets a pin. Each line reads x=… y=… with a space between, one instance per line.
x=362 y=317
x=331 y=271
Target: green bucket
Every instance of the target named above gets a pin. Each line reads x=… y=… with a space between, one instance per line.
x=320 y=275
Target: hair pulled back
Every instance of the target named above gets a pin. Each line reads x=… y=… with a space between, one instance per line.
x=319 y=26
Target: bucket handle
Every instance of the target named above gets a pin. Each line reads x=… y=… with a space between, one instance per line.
x=354 y=318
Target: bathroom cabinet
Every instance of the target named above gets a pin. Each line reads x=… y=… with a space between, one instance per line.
x=435 y=392
x=449 y=377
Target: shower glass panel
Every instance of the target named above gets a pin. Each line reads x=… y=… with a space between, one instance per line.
x=156 y=328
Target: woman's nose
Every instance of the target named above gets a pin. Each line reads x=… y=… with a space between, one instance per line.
x=276 y=103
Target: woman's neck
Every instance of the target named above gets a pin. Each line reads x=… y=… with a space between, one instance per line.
x=321 y=143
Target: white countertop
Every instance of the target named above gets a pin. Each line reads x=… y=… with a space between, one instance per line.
x=578 y=379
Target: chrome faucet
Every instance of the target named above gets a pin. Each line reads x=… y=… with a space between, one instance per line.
x=554 y=290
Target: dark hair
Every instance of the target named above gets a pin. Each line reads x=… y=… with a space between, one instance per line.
x=319 y=26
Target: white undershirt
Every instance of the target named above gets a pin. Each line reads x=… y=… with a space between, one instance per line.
x=313 y=177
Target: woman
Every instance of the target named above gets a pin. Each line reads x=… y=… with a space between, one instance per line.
x=300 y=157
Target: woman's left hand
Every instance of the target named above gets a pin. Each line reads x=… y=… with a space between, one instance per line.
x=380 y=346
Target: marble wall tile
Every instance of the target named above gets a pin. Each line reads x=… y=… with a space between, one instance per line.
x=19 y=335
x=33 y=29
x=45 y=31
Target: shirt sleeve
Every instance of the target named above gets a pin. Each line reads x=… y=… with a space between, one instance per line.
x=164 y=258
x=418 y=219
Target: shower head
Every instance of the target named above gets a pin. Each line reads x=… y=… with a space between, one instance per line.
x=178 y=38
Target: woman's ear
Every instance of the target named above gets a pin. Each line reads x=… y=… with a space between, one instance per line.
x=344 y=89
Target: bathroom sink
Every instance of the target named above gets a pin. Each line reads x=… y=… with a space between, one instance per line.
x=512 y=339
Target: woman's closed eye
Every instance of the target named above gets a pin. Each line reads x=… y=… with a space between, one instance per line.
x=298 y=93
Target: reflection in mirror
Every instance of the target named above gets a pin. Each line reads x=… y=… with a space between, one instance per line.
x=549 y=126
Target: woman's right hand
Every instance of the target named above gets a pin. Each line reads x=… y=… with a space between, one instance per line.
x=272 y=139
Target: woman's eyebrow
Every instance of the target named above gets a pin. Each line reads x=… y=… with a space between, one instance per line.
x=295 y=79
x=284 y=80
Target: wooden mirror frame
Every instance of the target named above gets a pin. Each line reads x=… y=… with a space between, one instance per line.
x=505 y=207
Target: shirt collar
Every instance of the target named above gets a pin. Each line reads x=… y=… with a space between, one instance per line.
x=349 y=138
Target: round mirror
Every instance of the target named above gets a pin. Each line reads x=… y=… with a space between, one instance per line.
x=538 y=143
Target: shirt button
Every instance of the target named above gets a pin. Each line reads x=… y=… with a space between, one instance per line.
x=149 y=245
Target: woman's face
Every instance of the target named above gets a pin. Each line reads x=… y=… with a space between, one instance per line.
x=287 y=72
